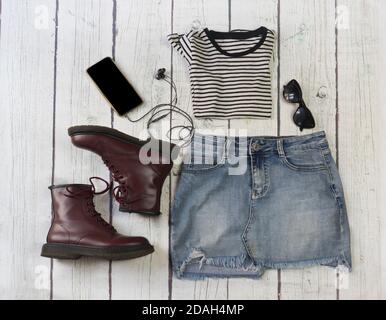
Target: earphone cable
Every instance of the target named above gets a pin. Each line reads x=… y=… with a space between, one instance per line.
x=162 y=110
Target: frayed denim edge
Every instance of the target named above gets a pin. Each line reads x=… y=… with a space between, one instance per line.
x=239 y=263
x=197 y=256
x=203 y=276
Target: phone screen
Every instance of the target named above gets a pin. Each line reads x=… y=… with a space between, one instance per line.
x=114 y=86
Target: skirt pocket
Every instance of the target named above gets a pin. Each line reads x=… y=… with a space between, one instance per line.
x=304 y=159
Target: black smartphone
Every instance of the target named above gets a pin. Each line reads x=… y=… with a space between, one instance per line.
x=115 y=87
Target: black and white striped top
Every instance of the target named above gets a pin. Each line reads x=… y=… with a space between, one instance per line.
x=229 y=71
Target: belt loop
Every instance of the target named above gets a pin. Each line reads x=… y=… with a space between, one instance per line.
x=280 y=148
x=226 y=148
x=249 y=146
x=191 y=151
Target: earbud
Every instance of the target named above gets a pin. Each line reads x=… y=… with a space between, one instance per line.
x=160 y=74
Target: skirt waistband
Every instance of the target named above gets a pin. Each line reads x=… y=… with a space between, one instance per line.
x=220 y=145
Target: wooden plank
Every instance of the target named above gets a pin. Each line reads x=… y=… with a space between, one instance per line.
x=84 y=37
x=379 y=138
x=140 y=50
x=307 y=53
x=26 y=140
x=250 y=16
x=358 y=49
x=187 y=14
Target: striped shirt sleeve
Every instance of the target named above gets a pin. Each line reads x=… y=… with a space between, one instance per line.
x=181 y=43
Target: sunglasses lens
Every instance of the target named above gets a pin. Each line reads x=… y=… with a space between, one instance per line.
x=291 y=94
x=303 y=118
x=290 y=97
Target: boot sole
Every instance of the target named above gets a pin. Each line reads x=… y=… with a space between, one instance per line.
x=110 y=132
x=72 y=251
x=145 y=213
x=77 y=130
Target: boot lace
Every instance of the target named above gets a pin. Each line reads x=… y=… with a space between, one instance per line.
x=89 y=202
x=121 y=191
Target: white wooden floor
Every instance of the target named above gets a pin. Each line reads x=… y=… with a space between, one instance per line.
x=335 y=48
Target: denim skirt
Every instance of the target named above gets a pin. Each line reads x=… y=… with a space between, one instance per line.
x=247 y=204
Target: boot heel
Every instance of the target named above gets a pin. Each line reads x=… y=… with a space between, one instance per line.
x=58 y=251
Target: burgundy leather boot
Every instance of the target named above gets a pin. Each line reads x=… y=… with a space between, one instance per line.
x=140 y=184
x=77 y=229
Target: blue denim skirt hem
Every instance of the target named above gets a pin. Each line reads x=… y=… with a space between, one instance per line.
x=212 y=267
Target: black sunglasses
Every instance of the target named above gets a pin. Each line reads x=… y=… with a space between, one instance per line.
x=302 y=117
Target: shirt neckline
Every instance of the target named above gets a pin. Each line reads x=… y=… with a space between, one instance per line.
x=212 y=35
